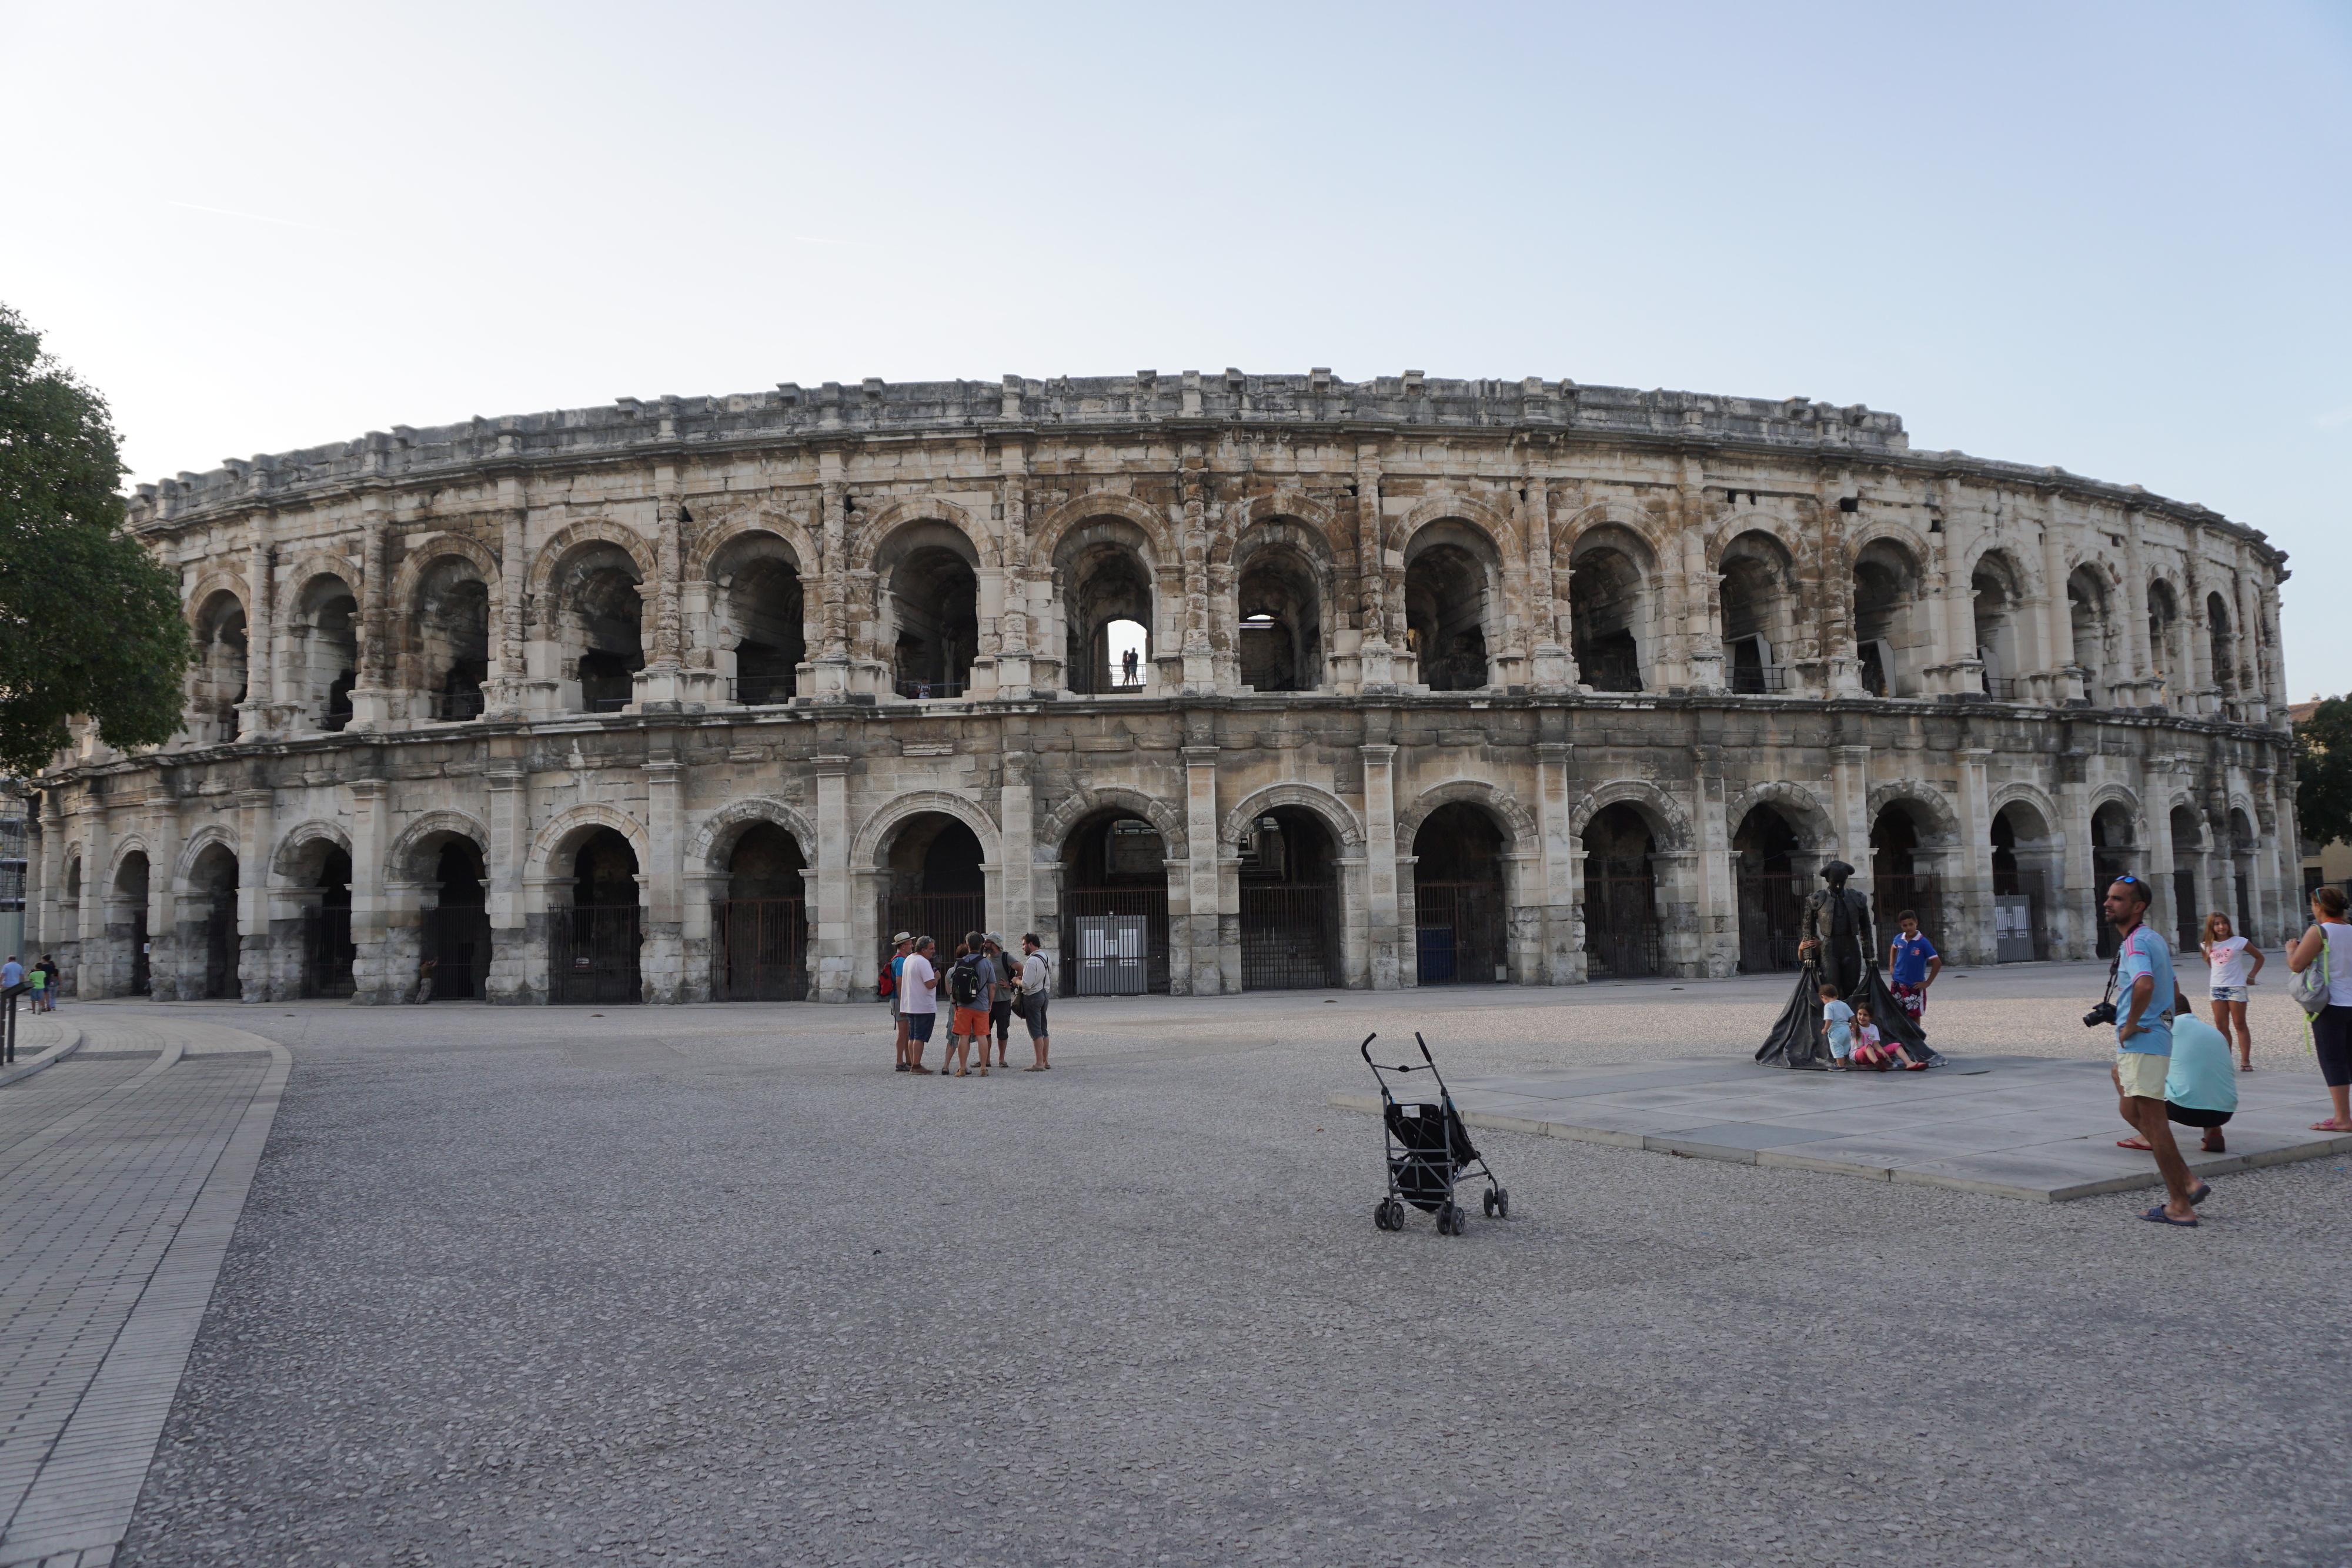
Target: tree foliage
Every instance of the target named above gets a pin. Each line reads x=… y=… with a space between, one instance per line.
x=89 y=622
x=2322 y=790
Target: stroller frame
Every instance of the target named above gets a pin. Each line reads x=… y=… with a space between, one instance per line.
x=1433 y=1170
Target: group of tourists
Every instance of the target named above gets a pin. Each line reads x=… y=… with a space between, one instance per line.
x=1856 y=1041
x=41 y=981
x=984 y=990
x=2173 y=1067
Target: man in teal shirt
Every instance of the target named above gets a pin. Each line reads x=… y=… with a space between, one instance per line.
x=2144 y=1043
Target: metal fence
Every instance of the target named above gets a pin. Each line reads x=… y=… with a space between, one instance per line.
x=1622 y=939
x=923 y=690
x=762 y=691
x=1771 y=906
x=1757 y=679
x=456 y=707
x=944 y=915
x=1107 y=958
x=220 y=949
x=1461 y=931
x=328 y=952
x=1290 y=937
x=458 y=938
x=592 y=954
x=760 y=949
x=1894 y=894
x=1149 y=904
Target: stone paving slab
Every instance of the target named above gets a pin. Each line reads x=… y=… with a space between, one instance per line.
x=2036 y=1128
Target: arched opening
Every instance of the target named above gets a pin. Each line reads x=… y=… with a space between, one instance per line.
x=2024 y=868
x=1899 y=877
x=766 y=613
x=600 y=624
x=761 y=954
x=1280 y=635
x=451 y=627
x=1445 y=594
x=1462 y=914
x=1605 y=612
x=325 y=658
x=212 y=939
x=457 y=929
x=1994 y=593
x=323 y=887
x=934 y=614
x=1759 y=591
x=935 y=882
x=2242 y=846
x=2112 y=853
x=2092 y=629
x=1104 y=584
x=2167 y=648
x=1622 y=937
x=593 y=944
x=126 y=920
x=2219 y=645
x=1771 y=890
x=1890 y=637
x=1114 y=907
x=2187 y=892
x=220 y=674
x=1289 y=902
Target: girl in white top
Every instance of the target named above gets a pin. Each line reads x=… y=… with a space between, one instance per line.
x=2226 y=954
x=2330 y=938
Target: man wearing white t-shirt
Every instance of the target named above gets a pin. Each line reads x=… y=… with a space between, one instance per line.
x=918 y=1000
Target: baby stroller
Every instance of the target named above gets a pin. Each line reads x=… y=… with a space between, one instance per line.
x=1428 y=1152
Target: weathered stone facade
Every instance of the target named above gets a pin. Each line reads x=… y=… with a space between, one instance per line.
x=1434 y=676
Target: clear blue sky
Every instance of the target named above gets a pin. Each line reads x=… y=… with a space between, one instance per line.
x=2112 y=237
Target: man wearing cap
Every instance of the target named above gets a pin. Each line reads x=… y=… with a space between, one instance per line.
x=901 y=945
x=998 y=972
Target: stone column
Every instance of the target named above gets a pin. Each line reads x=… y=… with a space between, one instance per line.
x=1015 y=630
x=662 y=954
x=1706 y=878
x=1204 y=891
x=2139 y=689
x=508 y=788
x=257 y=960
x=1199 y=652
x=2058 y=628
x=2073 y=926
x=2155 y=791
x=1972 y=865
x=1384 y=953
x=44 y=906
x=1016 y=909
x=257 y=714
x=1561 y=869
x=1695 y=649
x=382 y=968
x=831 y=926
x=1554 y=664
x=89 y=936
x=1379 y=655
x=1850 y=797
x=163 y=892
x=372 y=696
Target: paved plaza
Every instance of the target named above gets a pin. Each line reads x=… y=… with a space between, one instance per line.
x=710 y=1284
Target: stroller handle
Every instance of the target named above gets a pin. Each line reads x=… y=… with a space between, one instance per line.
x=1367 y=1047
x=1424 y=1047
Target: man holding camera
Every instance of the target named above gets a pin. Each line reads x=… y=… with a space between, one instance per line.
x=2144 y=1044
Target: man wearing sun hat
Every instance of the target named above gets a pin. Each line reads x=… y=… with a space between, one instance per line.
x=901 y=945
x=999 y=1014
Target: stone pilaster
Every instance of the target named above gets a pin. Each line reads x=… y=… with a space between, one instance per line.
x=1386 y=961
x=1562 y=868
x=1015 y=910
x=1214 y=969
x=257 y=960
x=383 y=965
x=1971 y=912
x=506 y=785
x=662 y=952
x=831 y=926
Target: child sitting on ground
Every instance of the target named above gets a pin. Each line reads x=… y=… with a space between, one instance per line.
x=1868 y=1051
x=1837 y=1026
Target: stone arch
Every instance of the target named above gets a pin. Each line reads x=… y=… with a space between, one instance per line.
x=551 y=847
x=723 y=529
x=588 y=530
x=401 y=861
x=2116 y=794
x=2016 y=566
x=295 y=581
x=715 y=839
x=1493 y=797
x=1666 y=817
x=1886 y=530
x=1322 y=802
x=876 y=831
x=2019 y=793
x=415 y=563
x=1047 y=535
x=200 y=841
x=1638 y=520
x=1502 y=529
x=874 y=533
x=216 y=580
x=124 y=848
x=1283 y=512
x=1807 y=815
x=282 y=862
x=1943 y=820
x=1045 y=847
x=1782 y=530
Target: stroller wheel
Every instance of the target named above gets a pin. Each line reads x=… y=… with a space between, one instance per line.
x=1487 y=1198
x=1381 y=1214
x=1502 y=1203
x=1449 y=1218
x=1395 y=1212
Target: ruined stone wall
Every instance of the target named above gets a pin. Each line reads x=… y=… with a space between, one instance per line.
x=859 y=614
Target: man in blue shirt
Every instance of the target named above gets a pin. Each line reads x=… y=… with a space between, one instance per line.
x=2144 y=1043
x=12 y=974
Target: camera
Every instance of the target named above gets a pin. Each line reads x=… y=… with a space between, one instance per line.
x=2104 y=1013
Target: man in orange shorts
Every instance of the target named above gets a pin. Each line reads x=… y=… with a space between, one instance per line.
x=969 y=988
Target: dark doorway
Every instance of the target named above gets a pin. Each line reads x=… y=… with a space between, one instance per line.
x=1289 y=902
x=1771 y=892
x=760 y=930
x=1445 y=611
x=766 y=598
x=130 y=886
x=1622 y=938
x=2111 y=857
x=2187 y=897
x=216 y=937
x=936 y=887
x=1114 y=875
x=592 y=943
x=1462 y=922
x=936 y=596
x=327 y=947
x=1897 y=882
x=456 y=933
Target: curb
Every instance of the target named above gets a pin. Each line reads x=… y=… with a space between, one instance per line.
x=48 y=1058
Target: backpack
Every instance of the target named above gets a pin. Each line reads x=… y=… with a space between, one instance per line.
x=887 y=984
x=2310 y=989
x=963 y=981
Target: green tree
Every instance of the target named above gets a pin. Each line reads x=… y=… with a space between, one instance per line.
x=2322 y=790
x=89 y=622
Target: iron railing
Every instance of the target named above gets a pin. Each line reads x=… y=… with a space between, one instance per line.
x=924 y=691
x=592 y=954
x=457 y=939
x=943 y=917
x=1622 y=938
x=220 y=949
x=1894 y=891
x=1771 y=906
x=328 y=952
x=2001 y=688
x=1290 y=937
x=760 y=949
x=1148 y=903
x=606 y=704
x=456 y=707
x=1462 y=931
x=1754 y=680
x=762 y=691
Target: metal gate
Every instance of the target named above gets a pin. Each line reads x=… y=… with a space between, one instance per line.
x=1290 y=937
x=592 y=954
x=760 y=949
x=1772 y=904
x=1109 y=959
x=1895 y=893
x=1460 y=933
x=943 y=917
x=1621 y=937
x=220 y=950
x=1147 y=905
x=328 y=951
x=2186 y=917
x=458 y=938
x=142 y=979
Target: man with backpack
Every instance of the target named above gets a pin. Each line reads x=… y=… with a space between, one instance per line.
x=969 y=988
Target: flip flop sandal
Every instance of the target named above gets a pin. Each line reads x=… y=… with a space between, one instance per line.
x=2204 y=1190
x=2158 y=1215
x=1032 y=1069
x=2134 y=1145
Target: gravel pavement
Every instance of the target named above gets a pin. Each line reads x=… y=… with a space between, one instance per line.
x=713 y=1285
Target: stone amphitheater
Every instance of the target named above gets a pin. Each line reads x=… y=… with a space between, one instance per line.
x=1218 y=682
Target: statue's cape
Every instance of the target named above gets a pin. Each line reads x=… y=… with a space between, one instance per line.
x=1796 y=1039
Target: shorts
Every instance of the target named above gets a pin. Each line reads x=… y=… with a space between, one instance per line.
x=2141 y=1076
x=919 y=1025
x=2229 y=993
x=1002 y=1017
x=2191 y=1116
x=1035 y=1016
x=1911 y=997
x=2331 y=1041
x=970 y=1022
